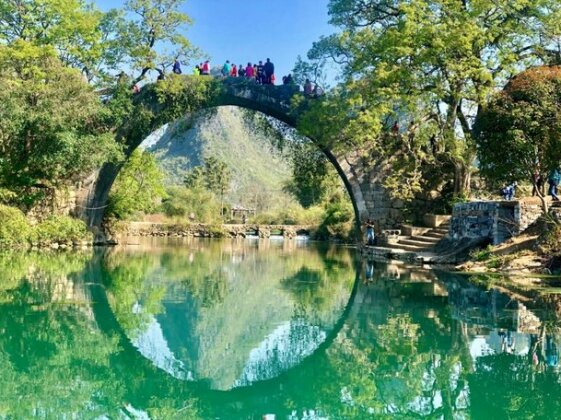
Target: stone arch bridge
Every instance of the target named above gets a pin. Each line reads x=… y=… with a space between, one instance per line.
x=363 y=182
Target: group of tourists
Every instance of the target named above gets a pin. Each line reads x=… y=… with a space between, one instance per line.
x=554 y=180
x=262 y=73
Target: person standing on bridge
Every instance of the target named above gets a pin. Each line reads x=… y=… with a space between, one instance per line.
x=308 y=88
x=241 y=71
x=269 y=69
x=205 y=68
x=226 y=69
x=249 y=71
x=177 y=67
x=261 y=73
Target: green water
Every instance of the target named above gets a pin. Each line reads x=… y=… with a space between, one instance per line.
x=246 y=329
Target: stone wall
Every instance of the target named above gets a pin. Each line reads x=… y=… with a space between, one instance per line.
x=495 y=220
x=60 y=202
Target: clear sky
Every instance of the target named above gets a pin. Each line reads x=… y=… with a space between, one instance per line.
x=252 y=30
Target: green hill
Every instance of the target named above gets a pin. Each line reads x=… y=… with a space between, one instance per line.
x=259 y=170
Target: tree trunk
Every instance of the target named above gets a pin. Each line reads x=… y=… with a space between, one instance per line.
x=542 y=197
x=462 y=179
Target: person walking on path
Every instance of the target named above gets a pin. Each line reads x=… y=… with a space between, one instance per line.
x=269 y=71
x=554 y=180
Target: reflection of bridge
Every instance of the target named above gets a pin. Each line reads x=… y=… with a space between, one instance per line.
x=363 y=181
x=145 y=368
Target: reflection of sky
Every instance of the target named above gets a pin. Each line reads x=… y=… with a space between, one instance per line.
x=285 y=347
x=485 y=345
x=152 y=344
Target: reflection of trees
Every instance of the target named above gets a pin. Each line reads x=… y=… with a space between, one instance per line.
x=54 y=361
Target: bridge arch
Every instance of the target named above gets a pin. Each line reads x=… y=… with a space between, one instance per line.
x=273 y=101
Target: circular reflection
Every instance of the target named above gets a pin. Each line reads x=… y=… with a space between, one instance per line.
x=229 y=314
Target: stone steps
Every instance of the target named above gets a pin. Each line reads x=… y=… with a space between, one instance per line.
x=427 y=239
x=415 y=242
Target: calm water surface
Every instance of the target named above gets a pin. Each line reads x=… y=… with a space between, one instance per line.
x=267 y=329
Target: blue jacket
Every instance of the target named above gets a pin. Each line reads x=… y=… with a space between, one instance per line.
x=555 y=177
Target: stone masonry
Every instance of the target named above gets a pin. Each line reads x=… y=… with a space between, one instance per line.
x=493 y=220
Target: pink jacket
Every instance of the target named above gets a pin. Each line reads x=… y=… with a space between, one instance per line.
x=249 y=71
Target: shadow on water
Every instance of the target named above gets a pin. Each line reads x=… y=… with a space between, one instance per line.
x=240 y=329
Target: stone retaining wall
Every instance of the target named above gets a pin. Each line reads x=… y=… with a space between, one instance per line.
x=494 y=220
x=207 y=231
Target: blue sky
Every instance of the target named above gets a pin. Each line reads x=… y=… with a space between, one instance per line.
x=252 y=30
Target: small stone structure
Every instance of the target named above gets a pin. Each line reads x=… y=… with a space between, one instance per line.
x=494 y=220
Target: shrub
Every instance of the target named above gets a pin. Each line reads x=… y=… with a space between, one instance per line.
x=14 y=227
x=184 y=202
x=61 y=229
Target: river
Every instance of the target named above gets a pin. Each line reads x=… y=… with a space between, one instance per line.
x=254 y=329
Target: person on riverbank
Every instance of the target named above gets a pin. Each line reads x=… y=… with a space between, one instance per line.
x=509 y=191
x=554 y=179
x=370 y=234
x=537 y=183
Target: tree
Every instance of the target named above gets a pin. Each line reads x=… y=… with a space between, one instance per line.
x=214 y=176
x=310 y=181
x=51 y=130
x=519 y=132
x=153 y=38
x=432 y=64
x=70 y=27
x=138 y=188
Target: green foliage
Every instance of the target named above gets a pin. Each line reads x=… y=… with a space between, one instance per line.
x=428 y=65
x=70 y=27
x=14 y=228
x=138 y=188
x=292 y=215
x=339 y=219
x=50 y=126
x=310 y=182
x=481 y=254
x=61 y=229
x=214 y=175
x=520 y=130
x=196 y=204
